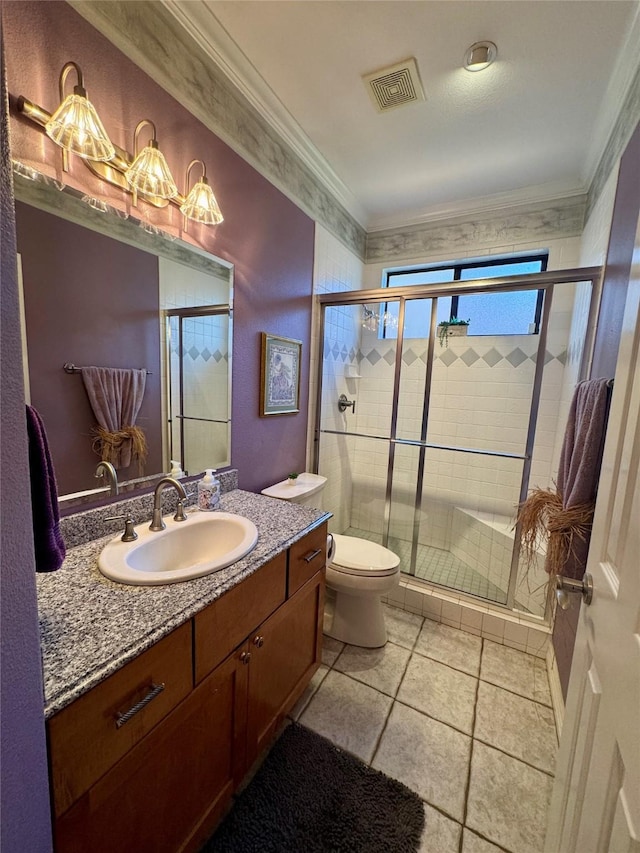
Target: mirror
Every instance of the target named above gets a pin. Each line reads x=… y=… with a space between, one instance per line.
x=100 y=290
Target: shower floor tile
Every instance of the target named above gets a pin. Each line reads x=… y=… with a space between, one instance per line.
x=438 y=566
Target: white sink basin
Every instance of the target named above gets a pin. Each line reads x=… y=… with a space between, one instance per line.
x=204 y=543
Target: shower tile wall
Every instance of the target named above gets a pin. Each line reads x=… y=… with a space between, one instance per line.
x=206 y=357
x=336 y=270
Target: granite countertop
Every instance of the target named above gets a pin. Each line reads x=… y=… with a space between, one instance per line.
x=91 y=626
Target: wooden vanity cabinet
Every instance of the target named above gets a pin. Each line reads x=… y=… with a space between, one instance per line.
x=168 y=793
x=231 y=675
x=285 y=651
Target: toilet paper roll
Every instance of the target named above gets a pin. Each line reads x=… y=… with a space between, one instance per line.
x=331 y=548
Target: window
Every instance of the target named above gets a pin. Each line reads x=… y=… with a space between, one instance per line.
x=510 y=313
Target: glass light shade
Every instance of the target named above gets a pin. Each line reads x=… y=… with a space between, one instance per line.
x=149 y=173
x=76 y=127
x=201 y=205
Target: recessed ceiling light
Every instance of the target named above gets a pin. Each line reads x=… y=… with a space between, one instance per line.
x=480 y=55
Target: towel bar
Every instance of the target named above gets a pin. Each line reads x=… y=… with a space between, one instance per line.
x=69 y=367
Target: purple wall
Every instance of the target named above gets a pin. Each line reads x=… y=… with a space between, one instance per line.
x=24 y=799
x=614 y=294
x=267 y=238
x=91 y=300
x=269 y=241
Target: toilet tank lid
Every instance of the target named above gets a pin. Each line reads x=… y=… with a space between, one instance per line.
x=354 y=553
x=307 y=484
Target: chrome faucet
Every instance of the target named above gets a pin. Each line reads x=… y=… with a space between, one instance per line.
x=106 y=470
x=156 y=522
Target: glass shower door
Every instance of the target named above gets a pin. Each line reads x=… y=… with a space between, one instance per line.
x=199 y=399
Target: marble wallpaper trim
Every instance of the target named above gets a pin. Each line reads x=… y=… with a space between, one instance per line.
x=535 y=222
x=152 y=38
x=626 y=122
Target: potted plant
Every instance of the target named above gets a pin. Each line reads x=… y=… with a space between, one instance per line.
x=292 y=478
x=451 y=328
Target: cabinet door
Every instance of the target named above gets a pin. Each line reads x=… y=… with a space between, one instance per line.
x=168 y=792
x=285 y=653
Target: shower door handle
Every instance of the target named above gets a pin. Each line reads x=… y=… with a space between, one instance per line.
x=567 y=585
x=344 y=403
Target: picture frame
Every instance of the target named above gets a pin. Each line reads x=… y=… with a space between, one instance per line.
x=279 y=375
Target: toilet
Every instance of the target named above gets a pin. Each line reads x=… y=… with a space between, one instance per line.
x=359 y=572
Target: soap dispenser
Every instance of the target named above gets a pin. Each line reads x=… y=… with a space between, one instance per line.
x=209 y=491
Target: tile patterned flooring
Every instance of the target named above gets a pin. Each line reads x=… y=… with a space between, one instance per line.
x=438 y=566
x=464 y=722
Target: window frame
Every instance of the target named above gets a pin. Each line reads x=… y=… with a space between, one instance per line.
x=459 y=266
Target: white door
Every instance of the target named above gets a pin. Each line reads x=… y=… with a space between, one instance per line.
x=595 y=806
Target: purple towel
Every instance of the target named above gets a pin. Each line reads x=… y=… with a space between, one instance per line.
x=581 y=458
x=49 y=545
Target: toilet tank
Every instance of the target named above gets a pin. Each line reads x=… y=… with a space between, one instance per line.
x=307 y=490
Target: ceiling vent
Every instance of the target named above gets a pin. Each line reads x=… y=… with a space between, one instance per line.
x=395 y=86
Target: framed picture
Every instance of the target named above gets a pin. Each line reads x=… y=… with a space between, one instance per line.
x=279 y=376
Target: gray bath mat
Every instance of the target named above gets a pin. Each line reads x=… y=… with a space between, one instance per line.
x=311 y=797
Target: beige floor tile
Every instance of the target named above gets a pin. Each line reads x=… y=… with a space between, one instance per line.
x=348 y=713
x=508 y=800
x=379 y=668
x=439 y=691
x=517 y=671
x=449 y=645
x=427 y=756
x=472 y=843
x=402 y=627
x=330 y=650
x=303 y=701
x=441 y=834
x=519 y=726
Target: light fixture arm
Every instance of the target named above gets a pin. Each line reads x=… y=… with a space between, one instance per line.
x=79 y=87
x=153 y=142
x=188 y=172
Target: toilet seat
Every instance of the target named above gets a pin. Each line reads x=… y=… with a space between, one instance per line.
x=361 y=557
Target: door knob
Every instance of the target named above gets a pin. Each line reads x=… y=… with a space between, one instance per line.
x=564 y=586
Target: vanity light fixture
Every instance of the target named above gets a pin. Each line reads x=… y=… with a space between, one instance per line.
x=480 y=56
x=149 y=173
x=75 y=126
x=200 y=204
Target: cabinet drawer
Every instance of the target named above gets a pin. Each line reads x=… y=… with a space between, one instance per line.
x=89 y=736
x=228 y=621
x=306 y=557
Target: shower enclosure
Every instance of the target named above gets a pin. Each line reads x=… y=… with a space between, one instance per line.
x=439 y=438
x=199 y=393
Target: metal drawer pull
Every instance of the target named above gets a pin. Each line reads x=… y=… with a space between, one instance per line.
x=312 y=555
x=258 y=641
x=245 y=657
x=121 y=719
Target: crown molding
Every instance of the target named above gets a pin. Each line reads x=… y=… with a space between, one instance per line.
x=198 y=19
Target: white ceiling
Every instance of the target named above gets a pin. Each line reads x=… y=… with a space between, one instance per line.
x=532 y=126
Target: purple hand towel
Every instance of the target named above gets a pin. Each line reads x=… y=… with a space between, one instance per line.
x=581 y=459
x=49 y=545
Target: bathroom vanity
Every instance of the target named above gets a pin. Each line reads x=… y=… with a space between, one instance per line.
x=152 y=729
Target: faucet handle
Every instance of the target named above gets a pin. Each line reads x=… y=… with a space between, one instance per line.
x=129 y=534
x=180 y=516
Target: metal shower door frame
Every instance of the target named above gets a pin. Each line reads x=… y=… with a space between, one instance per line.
x=545 y=281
